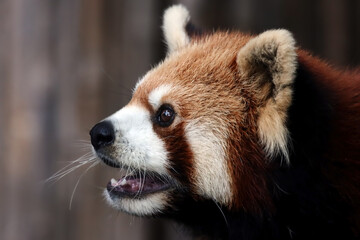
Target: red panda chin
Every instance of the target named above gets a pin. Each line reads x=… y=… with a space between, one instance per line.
x=152 y=200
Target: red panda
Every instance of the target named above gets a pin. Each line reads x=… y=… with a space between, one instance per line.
x=238 y=137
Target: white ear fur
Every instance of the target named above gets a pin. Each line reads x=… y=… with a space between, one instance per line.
x=174 y=27
x=271 y=58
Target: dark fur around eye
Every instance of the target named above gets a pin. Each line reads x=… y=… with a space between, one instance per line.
x=165 y=116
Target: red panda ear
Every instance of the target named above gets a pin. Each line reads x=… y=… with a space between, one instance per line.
x=174 y=25
x=268 y=62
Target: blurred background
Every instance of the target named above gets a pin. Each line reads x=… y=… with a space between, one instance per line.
x=66 y=64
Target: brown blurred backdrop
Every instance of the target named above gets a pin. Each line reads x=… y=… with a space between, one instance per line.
x=66 y=64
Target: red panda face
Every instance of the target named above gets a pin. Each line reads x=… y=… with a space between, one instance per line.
x=203 y=122
x=175 y=129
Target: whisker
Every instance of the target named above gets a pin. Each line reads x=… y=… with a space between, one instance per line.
x=86 y=158
x=78 y=181
x=162 y=179
x=142 y=184
x=63 y=173
x=83 y=145
x=84 y=141
x=226 y=222
x=139 y=172
x=172 y=168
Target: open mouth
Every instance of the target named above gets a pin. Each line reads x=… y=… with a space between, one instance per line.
x=138 y=186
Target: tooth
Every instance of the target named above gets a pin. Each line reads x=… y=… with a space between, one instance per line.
x=113 y=182
x=123 y=182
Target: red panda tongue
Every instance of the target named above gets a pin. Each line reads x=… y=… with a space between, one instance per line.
x=134 y=186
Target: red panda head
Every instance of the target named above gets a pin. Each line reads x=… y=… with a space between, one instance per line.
x=204 y=123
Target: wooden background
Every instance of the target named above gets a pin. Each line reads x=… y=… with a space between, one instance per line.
x=66 y=64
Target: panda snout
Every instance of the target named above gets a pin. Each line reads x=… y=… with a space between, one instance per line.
x=102 y=135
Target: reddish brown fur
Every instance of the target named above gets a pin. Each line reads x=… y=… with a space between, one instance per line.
x=247 y=165
x=344 y=150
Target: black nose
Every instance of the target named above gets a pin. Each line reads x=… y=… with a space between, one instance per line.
x=102 y=134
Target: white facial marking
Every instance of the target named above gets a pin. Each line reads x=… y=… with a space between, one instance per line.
x=151 y=204
x=211 y=172
x=156 y=95
x=136 y=144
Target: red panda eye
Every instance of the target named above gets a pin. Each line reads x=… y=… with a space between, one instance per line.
x=165 y=116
